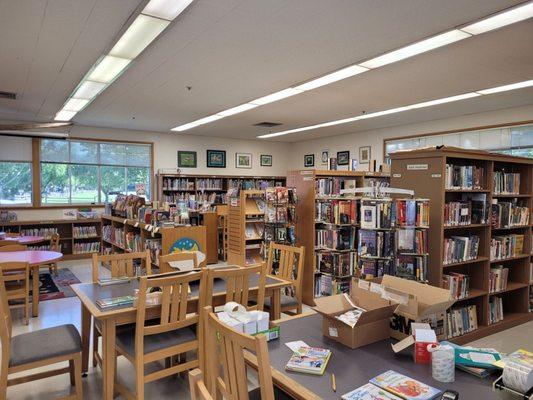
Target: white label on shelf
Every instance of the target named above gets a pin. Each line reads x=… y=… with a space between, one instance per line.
x=416 y=167
x=308 y=178
x=333 y=331
x=436 y=175
x=306 y=172
x=234 y=202
x=396 y=175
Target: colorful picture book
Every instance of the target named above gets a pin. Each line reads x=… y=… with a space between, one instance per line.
x=405 y=387
x=369 y=392
x=309 y=360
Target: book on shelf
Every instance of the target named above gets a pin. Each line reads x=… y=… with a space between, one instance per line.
x=460 y=248
x=209 y=183
x=461 y=320
x=336 y=239
x=457 y=283
x=468 y=177
x=376 y=243
x=410 y=267
x=506 y=246
x=376 y=267
x=309 y=360
x=507 y=214
x=506 y=182
x=336 y=212
x=84 y=232
x=44 y=232
x=333 y=186
x=471 y=209
x=85 y=248
x=412 y=241
x=498 y=276
x=327 y=285
x=336 y=264
x=404 y=387
x=495 y=309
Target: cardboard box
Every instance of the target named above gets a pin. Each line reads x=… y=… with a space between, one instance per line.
x=417 y=302
x=422 y=336
x=373 y=324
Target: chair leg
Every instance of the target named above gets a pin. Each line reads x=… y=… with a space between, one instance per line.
x=3 y=381
x=95 y=344
x=72 y=373
x=139 y=380
x=78 y=382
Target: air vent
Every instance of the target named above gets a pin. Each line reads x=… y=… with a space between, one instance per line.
x=8 y=95
x=268 y=124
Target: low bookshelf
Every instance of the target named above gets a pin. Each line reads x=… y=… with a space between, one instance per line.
x=480 y=229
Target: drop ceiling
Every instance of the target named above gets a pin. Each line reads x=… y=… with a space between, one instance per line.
x=231 y=51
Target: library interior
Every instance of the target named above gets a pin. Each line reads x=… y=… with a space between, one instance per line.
x=266 y=199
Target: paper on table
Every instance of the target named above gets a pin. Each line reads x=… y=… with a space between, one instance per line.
x=183 y=265
x=296 y=345
x=482 y=358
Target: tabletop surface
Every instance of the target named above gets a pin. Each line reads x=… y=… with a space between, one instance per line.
x=354 y=368
x=26 y=239
x=34 y=257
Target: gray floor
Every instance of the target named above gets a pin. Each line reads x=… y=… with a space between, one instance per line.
x=56 y=312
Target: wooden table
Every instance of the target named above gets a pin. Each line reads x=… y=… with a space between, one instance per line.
x=25 y=240
x=353 y=368
x=89 y=293
x=35 y=258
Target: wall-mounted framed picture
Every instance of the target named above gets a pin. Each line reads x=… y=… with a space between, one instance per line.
x=309 y=160
x=216 y=158
x=364 y=154
x=186 y=159
x=243 y=160
x=343 y=157
x=266 y=160
x=325 y=157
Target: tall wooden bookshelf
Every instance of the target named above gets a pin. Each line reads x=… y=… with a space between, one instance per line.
x=424 y=171
x=304 y=181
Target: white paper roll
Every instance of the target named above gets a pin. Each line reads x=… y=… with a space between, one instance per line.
x=442 y=362
x=517 y=376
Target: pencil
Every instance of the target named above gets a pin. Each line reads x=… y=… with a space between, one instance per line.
x=333 y=383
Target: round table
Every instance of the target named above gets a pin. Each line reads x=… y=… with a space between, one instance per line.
x=26 y=239
x=35 y=258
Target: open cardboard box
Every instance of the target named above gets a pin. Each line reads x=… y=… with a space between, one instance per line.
x=418 y=342
x=373 y=324
x=417 y=302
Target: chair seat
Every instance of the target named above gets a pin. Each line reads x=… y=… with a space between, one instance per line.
x=126 y=340
x=44 y=344
x=279 y=394
x=286 y=301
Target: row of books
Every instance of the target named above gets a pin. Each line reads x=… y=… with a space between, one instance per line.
x=155 y=246
x=506 y=246
x=209 y=183
x=412 y=241
x=495 y=309
x=460 y=248
x=506 y=182
x=407 y=267
x=384 y=214
x=461 y=320
x=280 y=195
x=471 y=209
x=280 y=214
x=498 y=277
x=247 y=184
x=412 y=212
x=376 y=243
x=84 y=248
x=457 y=283
x=254 y=230
x=178 y=184
x=336 y=239
x=327 y=285
x=280 y=234
x=113 y=234
x=44 y=232
x=333 y=186
x=336 y=211
x=336 y=264
x=463 y=177
x=84 y=232
x=193 y=200
x=44 y=247
x=507 y=214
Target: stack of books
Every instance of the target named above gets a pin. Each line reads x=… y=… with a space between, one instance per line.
x=508 y=214
x=461 y=320
x=460 y=248
x=506 y=182
x=464 y=177
x=495 y=309
x=114 y=301
x=457 y=283
x=498 y=276
x=506 y=246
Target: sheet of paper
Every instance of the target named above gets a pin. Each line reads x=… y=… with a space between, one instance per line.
x=295 y=346
x=185 y=265
x=482 y=358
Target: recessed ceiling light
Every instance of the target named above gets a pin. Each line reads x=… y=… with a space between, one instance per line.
x=282 y=94
x=75 y=105
x=166 y=9
x=108 y=69
x=237 y=110
x=512 y=86
x=416 y=48
x=499 y=20
x=88 y=90
x=196 y=123
x=64 y=115
x=333 y=77
x=443 y=100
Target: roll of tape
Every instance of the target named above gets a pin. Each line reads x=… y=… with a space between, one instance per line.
x=517 y=376
x=442 y=362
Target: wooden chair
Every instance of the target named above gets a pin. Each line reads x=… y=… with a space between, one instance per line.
x=13 y=247
x=225 y=368
x=26 y=351
x=16 y=279
x=237 y=285
x=169 y=336
x=13 y=234
x=290 y=268
x=197 y=386
x=54 y=246
x=187 y=257
x=119 y=265
x=6 y=242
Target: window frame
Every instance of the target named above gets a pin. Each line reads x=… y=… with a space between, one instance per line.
x=22 y=206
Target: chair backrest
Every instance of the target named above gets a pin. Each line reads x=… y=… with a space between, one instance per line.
x=5 y=315
x=121 y=264
x=174 y=303
x=225 y=368
x=13 y=247
x=54 y=242
x=185 y=257
x=238 y=284
x=290 y=261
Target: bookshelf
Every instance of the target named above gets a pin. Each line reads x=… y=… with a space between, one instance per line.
x=210 y=188
x=425 y=172
x=305 y=183
x=74 y=240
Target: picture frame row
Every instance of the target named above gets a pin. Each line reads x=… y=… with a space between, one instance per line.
x=217 y=159
x=343 y=157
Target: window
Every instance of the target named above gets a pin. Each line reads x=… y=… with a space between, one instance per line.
x=15 y=171
x=87 y=172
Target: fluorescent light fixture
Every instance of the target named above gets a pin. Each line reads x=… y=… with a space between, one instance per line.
x=512 y=86
x=108 y=69
x=416 y=48
x=237 y=110
x=198 y=122
x=64 y=115
x=385 y=112
x=138 y=36
x=73 y=104
x=443 y=100
x=499 y=20
x=282 y=94
x=166 y=9
x=88 y=90
x=333 y=77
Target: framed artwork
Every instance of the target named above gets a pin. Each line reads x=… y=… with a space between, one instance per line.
x=343 y=157
x=266 y=160
x=325 y=157
x=243 y=160
x=186 y=159
x=364 y=154
x=309 y=160
x=216 y=158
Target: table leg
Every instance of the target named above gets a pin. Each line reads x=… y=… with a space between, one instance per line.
x=35 y=291
x=108 y=357
x=85 y=337
x=276 y=303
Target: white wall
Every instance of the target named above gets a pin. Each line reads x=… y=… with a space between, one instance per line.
x=374 y=138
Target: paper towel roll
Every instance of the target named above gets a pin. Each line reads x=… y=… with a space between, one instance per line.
x=517 y=376
x=442 y=362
